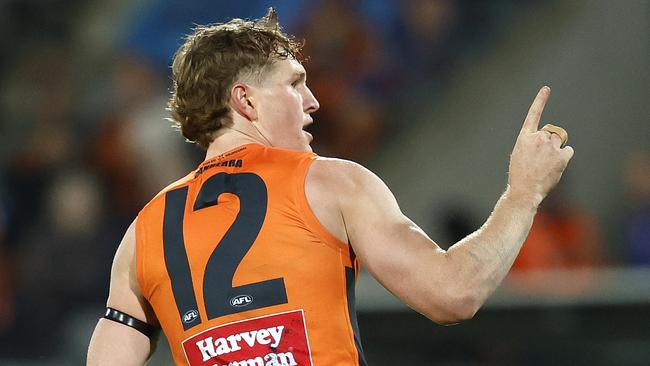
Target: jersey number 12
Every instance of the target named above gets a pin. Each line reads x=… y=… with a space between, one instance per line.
x=219 y=296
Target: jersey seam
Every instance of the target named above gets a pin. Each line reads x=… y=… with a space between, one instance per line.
x=350 y=330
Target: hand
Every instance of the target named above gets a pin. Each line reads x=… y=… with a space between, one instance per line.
x=537 y=160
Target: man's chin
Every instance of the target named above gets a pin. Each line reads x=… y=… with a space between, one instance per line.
x=309 y=139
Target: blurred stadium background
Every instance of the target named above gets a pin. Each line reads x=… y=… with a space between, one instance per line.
x=429 y=94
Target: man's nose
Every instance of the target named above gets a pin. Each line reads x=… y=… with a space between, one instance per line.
x=310 y=102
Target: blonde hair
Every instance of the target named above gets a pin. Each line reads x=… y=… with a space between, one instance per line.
x=211 y=60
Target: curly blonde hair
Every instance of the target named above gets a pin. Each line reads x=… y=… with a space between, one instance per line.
x=211 y=60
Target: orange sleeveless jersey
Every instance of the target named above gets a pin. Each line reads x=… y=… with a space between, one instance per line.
x=240 y=272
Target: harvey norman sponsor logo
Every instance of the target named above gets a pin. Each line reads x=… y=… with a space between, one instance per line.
x=273 y=340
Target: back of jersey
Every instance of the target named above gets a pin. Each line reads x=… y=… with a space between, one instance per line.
x=240 y=272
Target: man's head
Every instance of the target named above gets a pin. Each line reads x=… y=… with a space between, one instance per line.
x=250 y=68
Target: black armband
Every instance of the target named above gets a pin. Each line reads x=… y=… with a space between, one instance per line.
x=126 y=319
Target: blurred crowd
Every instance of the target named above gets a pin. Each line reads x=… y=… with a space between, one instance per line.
x=85 y=142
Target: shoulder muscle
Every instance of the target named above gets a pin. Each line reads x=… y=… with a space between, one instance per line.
x=125 y=294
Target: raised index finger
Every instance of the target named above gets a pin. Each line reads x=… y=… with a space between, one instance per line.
x=531 y=123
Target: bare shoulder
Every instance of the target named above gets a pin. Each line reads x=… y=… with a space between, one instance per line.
x=125 y=294
x=339 y=174
x=337 y=190
x=113 y=343
x=127 y=245
x=350 y=182
x=124 y=260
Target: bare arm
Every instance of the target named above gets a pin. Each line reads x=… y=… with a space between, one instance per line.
x=536 y=166
x=446 y=286
x=114 y=343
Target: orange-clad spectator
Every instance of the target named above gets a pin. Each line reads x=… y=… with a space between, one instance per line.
x=563 y=236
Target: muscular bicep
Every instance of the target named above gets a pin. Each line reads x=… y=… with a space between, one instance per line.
x=115 y=343
x=392 y=247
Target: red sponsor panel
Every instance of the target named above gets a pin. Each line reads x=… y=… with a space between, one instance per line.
x=272 y=340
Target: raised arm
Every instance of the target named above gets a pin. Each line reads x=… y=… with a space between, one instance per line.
x=447 y=286
x=114 y=343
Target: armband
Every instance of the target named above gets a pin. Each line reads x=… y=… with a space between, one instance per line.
x=126 y=319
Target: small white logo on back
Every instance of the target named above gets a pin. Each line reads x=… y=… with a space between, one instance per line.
x=240 y=301
x=190 y=316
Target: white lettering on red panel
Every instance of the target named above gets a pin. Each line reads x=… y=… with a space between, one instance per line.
x=272 y=340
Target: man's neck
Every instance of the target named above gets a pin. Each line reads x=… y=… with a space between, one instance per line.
x=229 y=140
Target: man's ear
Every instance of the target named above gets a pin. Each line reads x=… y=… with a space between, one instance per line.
x=240 y=99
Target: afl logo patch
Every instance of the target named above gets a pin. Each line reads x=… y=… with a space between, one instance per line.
x=240 y=301
x=190 y=316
